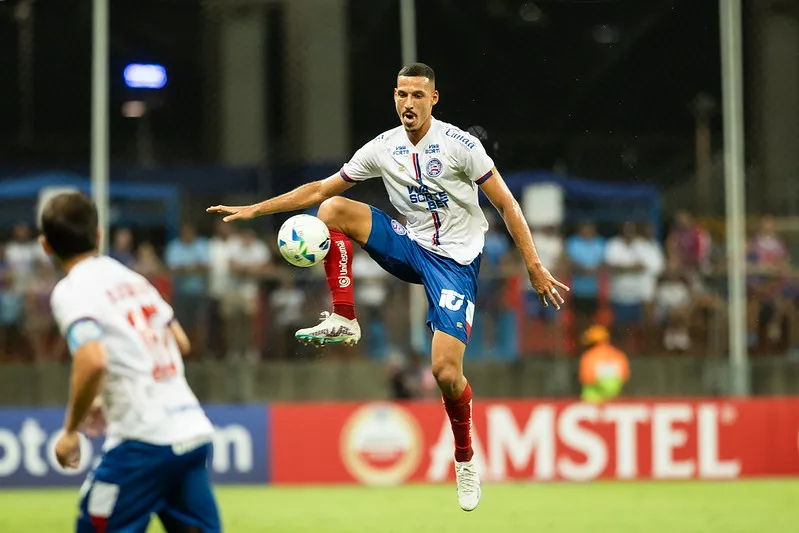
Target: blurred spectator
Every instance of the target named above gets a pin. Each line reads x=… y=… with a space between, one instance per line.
x=149 y=265
x=21 y=255
x=411 y=379
x=249 y=262
x=286 y=303
x=673 y=302
x=122 y=249
x=766 y=251
x=771 y=293
x=5 y=322
x=654 y=259
x=627 y=265
x=604 y=369
x=549 y=245
x=38 y=322
x=496 y=243
x=585 y=254
x=371 y=293
x=689 y=243
x=492 y=309
x=188 y=259
x=11 y=303
x=221 y=248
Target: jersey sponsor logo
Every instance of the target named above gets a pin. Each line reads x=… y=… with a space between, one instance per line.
x=432 y=149
x=422 y=194
x=434 y=167
x=451 y=300
x=401 y=150
x=343 y=275
x=461 y=138
x=398 y=228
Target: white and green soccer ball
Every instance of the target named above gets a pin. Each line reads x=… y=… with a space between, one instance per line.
x=303 y=240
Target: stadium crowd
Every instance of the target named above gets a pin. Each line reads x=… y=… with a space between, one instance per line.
x=236 y=299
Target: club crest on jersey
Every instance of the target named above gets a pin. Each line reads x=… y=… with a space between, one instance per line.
x=398 y=228
x=434 y=167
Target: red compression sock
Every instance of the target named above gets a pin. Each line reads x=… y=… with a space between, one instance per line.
x=460 y=417
x=338 y=268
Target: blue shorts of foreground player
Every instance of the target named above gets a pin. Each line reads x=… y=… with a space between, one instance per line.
x=135 y=479
x=451 y=287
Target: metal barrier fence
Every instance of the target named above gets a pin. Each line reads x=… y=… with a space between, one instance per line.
x=245 y=382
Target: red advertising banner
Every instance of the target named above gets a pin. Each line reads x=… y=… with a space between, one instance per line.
x=390 y=443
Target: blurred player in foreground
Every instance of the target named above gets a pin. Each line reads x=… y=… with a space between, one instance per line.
x=431 y=171
x=127 y=350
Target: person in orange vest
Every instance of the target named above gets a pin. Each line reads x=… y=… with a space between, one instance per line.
x=604 y=369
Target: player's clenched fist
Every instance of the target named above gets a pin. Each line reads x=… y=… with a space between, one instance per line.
x=239 y=212
x=546 y=286
x=67 y=450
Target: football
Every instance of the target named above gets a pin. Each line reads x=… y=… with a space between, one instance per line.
x=303 y=240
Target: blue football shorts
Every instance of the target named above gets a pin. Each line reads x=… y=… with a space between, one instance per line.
x=135 y=480
x=451 y=287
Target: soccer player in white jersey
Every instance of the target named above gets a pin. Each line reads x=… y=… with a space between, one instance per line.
x=431 y=171
x=126 y=349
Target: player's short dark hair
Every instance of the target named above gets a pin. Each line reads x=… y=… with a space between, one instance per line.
x=418 y=70
x=69 y=223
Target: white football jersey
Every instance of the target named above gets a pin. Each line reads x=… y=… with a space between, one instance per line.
x=146 y=396
x=434 y=184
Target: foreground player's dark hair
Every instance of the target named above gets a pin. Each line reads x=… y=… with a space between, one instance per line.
x=419 y=70
x=69 y=223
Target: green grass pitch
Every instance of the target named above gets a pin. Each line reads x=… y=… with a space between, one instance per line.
x=701 y=507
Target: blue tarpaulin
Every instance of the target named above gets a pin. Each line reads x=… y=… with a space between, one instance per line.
x=25 y=193
x=582 y=187
x=599 y=201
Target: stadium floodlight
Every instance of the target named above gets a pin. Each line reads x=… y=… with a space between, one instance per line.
x=145 y=76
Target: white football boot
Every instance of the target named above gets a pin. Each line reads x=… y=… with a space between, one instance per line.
x=333 y=329
x=468 y=481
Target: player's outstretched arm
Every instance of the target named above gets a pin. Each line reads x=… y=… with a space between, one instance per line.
x=500 y=196
x=302 y=197
x=88 y=370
